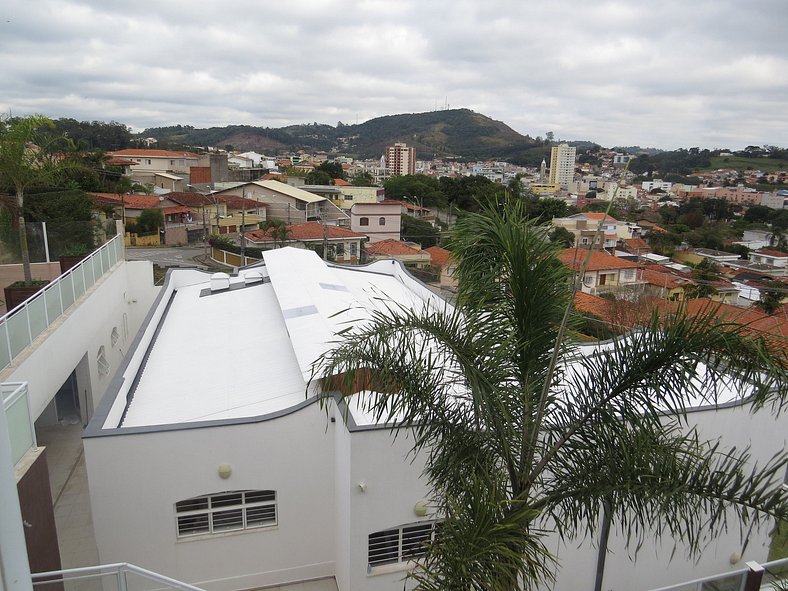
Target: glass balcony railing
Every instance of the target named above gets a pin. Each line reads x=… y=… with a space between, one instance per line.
x=107 y=577
x=20 y=326
x=770 y=576
x=20 y=421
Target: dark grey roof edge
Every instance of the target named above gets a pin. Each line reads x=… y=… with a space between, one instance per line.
x=164 y=428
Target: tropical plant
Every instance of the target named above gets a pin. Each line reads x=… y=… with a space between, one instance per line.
x=522 y=435
x=30 y=156
x=278 y=231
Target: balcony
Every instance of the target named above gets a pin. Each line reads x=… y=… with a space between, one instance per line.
x=20 y=326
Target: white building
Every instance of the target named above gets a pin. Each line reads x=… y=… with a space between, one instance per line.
x=210 y=459
x=400 y=160
x=562 y=165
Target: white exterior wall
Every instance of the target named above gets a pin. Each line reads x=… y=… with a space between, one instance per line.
x=82 y=330
x=135 y=481
x=736 y=426
x=393 y=488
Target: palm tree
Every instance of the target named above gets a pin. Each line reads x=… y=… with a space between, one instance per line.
x=30 y=157
x=522 y=435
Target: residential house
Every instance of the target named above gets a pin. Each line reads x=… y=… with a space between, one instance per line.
x=344 y=245
x=209 y=214
x=605 y=273
x=407 y=253
x=243 y=213
x=696 y=255
x=164 y=166
x=765 y=262
x=585 y=225
x=378 y=221
x=443 y=260
x=289 y=204
x=663 y=284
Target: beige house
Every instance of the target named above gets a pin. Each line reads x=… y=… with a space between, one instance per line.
x=444 y=262
x=379 y=221
x=585 y=225
x=167 y=165
x=289 y=204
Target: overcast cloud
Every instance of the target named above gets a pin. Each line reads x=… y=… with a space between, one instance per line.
x=667 y=74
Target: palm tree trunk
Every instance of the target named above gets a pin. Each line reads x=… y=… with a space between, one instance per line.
x=20 y=203
x=604 y=536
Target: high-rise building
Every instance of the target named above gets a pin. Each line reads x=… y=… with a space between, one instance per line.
x=400 y=160
x=562 y=165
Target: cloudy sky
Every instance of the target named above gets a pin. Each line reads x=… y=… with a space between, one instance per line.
x=667 y=73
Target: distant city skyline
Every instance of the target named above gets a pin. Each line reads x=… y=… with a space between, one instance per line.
x=672 y=74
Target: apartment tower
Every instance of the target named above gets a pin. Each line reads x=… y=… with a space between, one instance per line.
x=400 y=160
x=562 y=165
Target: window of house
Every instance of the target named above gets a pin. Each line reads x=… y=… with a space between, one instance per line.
x=101 y=361
x=401 y=544
x=226 y=511
x=147 y=161
x=382 y=221
x=340 y=249
x=363 y=222
x=114 y=336
x=354 y=249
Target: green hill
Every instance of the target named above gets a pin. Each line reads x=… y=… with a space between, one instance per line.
x=456 y=133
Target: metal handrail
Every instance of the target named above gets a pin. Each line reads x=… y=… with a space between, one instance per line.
x=118 y=570
x=699 y=583
x=82 y=276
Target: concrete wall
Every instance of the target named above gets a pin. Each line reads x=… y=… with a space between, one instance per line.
x=121 y=300
x=652 y=567
x=393 y=488
x=135 y=481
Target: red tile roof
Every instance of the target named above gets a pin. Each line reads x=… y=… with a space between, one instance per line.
x=662 y=279
x=190 y=199
x=129 y=201
x=439 y=256
x=600 y=261
x=119 y=162
x=772 y=253
x=342 y=183
x=132 y=152
x=239 y=203
x=307 y=231
x=391 y=247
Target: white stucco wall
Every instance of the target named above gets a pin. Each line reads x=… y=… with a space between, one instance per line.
x=86 y=326
x=135 y=481
x=766 y=435
x=393 y=488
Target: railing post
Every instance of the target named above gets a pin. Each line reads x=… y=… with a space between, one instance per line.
x=121 y=578
x=8 y=344
x=753 y=576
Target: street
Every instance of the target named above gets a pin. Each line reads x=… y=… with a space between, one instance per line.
x=167 y=256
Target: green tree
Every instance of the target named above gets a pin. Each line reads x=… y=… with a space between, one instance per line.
x=562 y=236
x=772 y=293
x=415 y=230
x=318 y=177
x=149 y=221
x=333 y=169
x=362 y=179
x=278 y=230
x=31 y=156
x=513 y=448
